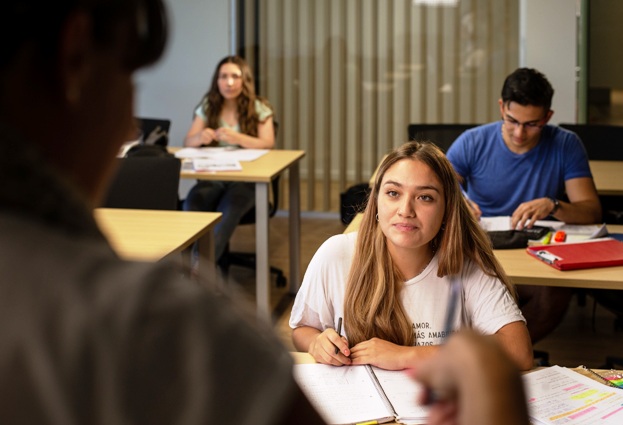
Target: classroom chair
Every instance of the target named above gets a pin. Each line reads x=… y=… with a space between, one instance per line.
x=443 y=135
x=603 y=143
x=145 y=182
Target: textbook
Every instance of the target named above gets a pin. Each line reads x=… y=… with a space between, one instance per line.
x=556 y=395
x=361 y=394
x=592 y=253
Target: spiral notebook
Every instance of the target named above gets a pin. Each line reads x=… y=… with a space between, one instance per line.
x=604 y=252
x=361 y=394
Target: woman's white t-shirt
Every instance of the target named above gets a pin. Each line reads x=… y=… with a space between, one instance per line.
x=485 y=303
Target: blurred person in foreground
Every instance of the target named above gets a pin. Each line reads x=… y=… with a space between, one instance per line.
x=86 y=337
x=473 y=382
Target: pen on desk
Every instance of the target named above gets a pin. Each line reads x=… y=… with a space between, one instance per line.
x=339 y=332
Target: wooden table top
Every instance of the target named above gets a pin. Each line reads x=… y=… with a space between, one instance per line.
x=608 y=176
x=523 y=269
x=263 y=170
x=150 y=235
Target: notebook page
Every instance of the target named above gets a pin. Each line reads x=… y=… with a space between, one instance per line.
x=403 y=392
x=342 y=395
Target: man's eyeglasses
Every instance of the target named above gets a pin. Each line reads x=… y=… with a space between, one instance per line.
x=528 y=126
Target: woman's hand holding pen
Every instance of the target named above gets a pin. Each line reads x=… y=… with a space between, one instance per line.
x=323 y=347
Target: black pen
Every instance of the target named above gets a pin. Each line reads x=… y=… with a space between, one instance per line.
x=339 y=332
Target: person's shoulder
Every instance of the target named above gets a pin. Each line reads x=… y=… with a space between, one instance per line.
x=201 y=109
x=475 y=278
x=479 y=133
x=559 y=134
x=263 y=108
x=562 y=139
x=475 y=139
x=485 y=129
x=340 y=241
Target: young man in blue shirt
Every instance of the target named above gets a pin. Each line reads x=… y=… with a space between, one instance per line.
x=524 y=168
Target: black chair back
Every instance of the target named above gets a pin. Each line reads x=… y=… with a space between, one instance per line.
x=145 y=182
x=443 y=135
x=603 y=142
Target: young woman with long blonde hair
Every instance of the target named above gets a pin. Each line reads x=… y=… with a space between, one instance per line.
x=390 y=281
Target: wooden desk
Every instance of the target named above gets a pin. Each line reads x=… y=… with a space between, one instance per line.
x=261 y=172
x=608 y=176
x=152 y=235
x=524 y=269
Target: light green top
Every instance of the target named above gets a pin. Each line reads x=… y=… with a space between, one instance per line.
x=262 y=110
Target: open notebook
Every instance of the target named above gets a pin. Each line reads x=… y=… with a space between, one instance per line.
x=356 y=394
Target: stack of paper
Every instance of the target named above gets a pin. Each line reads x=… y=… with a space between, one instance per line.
x=216 y=164
x=557 y=395
x=217 y=159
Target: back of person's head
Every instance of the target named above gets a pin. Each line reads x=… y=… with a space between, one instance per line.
x=528 y=87
x=69 y=63
x=39 y=23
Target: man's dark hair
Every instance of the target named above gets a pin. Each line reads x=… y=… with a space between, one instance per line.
x=527 y=86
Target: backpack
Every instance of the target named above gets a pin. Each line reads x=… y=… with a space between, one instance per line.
x=353 y=201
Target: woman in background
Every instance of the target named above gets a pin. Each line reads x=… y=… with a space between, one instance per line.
x=390 y=282
x=231 y=115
